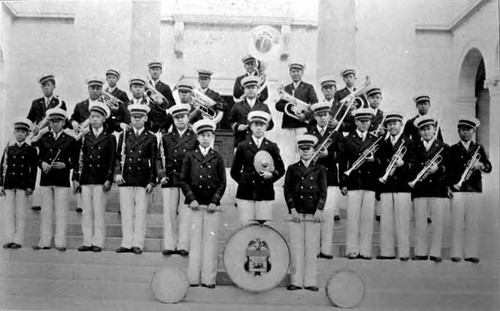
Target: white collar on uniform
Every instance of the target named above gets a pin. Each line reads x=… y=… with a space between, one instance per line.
x=361 y=135
x=428 y=144
x=251 y=102
x=138 y=132
x=394 y=139
x=56 y=136
x=204 y=151
x=321 y=128
x=181 y=133
x=466 y=144
x=257 y=141
x=111 y=89
x=296 y=84
x=48 y=100
x=306 y=163
x=20 y=144
x=98 y=131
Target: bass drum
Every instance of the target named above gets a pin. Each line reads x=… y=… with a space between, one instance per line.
x=257 y=258
x=345 y=289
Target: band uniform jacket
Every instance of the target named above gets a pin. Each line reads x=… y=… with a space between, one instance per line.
x=48 y=148
x=330 y=162
x=220 y=103
x=121 y=95
x=459 y=158
x=38 y=109
x=365 y=177
x=21 y=167
x=238 y=115
x=157 y=117
x=411 y=131
x=203 y=178
x=122 y=115
x=251 y=186
x=376 y=121
x=139 y=168
x=398 y=181
x=305 y=187
x=82 y=113
x=96 y=158
x=175 y=149
x=304 y=92
x=165 y=90
x=435 y=185
x=238 y=89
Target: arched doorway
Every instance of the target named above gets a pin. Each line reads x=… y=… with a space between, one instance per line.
x=472 y=91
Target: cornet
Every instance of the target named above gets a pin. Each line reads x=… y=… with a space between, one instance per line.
x=295 y=108
x=469 y=169
x=369 y=152
x=436 y=159
x=400 y=153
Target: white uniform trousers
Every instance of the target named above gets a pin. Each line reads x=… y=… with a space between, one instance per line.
x=252 y=210
x=437 y=208
x=333 y=199
x=203 y=247
x=287 y=145
x=133 y=206
x=395 y=223
x=360 y=213
x=465 y=208
x=14 y=207
x=304 y=247
x=176 y=219
x=54 y=199
x=93 y=206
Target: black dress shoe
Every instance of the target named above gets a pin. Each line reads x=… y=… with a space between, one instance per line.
x=211 y=286
x=194 y=285
x=436 y=259
x=336 y=218
x=8 y=245
x=429 y=220
x=136 y=250
x=293 y=287
x=364 y=257
x=312 y=288
x=36 y=208
x=183 y=252
x=36 y=247
x=16 y=246
x=321 y=255
x=420 y=258
x=352 y=256
x=386 y=257
x=168 y=252
x=123 y=250
x=404 y=258
x=455 y=259
x=96 y=249
x=472 y=259
x=61 y=248
x=377 y=218
x=85 y=248
x=78 y=210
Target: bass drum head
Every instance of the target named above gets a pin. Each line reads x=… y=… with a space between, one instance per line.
x=257 y=258
x=170 y=285
x=345 y=289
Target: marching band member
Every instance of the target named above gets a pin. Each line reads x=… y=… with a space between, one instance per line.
x=255 y=193
x=204 y=78
x=305 y=192
x=349 y=77
x=359 y=185
x=120 y=117
x=397 y=159
x=93 y=177
x=429 y=192
x=203 y=182
x=467 y=160
x=58 y=154
x=185 y=89
x=374 y=97
x=165 y=100
x=157 y=119
x=250 y=64
x=329 y=158
x=135 y=173
x=292 y=127
x=238 y=115
x=38 y=110
x=423 y=103
x=173 y=149
x=18 y=170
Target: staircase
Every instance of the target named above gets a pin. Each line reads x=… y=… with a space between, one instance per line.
x=51 y=280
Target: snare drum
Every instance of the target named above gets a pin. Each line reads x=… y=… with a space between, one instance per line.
x=257 y=258
x=345 y=289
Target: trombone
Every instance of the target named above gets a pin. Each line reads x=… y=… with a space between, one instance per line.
x=436 y=159
x=400 y=153
x=364 y=156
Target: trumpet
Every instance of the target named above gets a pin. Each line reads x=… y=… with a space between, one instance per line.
x=379 y=128
x=364 y=156
x=152 y=92
x=436 y=159
x=469 y=169
x=400 y=153
x=295 y=108
x=204 y=104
